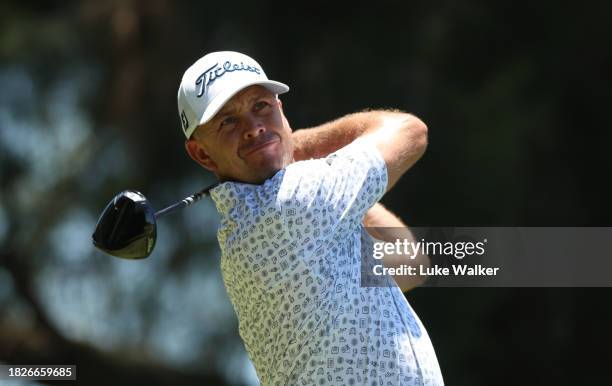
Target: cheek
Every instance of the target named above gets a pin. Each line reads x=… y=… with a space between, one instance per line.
x=226 y=147
x=278 y=122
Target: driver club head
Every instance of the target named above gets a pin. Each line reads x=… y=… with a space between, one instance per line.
x=127 y=227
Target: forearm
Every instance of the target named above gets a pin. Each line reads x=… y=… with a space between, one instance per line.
x=383 y=225
x=401 y=138
x=322 y=140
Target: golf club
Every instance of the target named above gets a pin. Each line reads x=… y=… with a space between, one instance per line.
x=127 y=227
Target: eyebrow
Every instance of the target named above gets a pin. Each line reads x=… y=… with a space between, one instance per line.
x=225 y=111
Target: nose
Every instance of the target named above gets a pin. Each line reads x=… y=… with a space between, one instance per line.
x=254 y=128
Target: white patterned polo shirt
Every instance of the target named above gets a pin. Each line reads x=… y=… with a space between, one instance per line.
x=291 y=257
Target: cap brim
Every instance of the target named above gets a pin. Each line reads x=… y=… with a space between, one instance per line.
x=220 y=100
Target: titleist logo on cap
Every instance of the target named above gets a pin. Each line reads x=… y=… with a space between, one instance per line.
x=209 y=83
x=215 y=72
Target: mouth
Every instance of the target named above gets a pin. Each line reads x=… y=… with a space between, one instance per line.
x=252 y=149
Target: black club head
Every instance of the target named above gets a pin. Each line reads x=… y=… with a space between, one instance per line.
x=127 y=227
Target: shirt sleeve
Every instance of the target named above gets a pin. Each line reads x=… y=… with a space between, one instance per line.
x=337 y=189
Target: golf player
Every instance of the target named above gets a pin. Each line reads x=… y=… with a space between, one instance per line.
x=293 y=207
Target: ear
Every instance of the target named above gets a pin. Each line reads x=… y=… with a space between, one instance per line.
x=199 y=155
x=285 y=121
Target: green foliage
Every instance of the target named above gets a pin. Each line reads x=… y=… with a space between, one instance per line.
x=514 y=95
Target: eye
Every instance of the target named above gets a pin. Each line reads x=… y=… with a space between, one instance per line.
x=260 y=105
x=227 y=122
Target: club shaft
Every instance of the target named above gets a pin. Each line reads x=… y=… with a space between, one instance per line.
x=185 y=202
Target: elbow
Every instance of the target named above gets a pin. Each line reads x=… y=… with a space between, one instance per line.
x=417 y=132
x=421 y=135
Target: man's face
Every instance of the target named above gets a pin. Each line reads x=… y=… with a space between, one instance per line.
x=248 y=140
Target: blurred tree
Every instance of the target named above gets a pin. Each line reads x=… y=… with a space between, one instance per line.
x=514 y=93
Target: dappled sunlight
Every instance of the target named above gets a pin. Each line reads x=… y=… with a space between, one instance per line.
x=516 y=106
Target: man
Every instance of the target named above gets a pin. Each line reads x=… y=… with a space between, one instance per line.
x=292 y=210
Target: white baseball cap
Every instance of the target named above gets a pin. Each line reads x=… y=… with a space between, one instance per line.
x=213 y=80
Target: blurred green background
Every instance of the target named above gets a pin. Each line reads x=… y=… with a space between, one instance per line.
x=516 y=96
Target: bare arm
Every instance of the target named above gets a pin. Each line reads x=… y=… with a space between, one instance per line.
x=383 y=225
x=401 y=138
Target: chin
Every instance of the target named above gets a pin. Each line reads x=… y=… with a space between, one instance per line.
x=266 y=170
x=266 y=175
x=264 y=167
